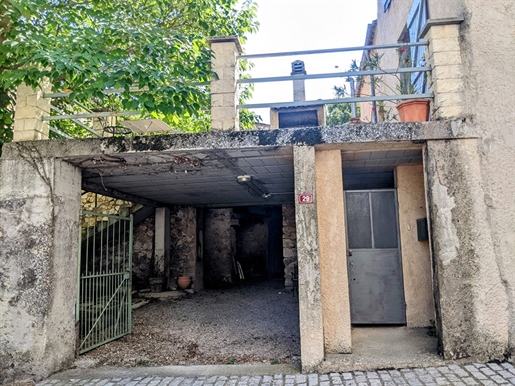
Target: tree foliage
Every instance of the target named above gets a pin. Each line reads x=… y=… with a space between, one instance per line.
x=158 y=46
x=338 y=114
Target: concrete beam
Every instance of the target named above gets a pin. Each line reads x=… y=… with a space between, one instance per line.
x=254 y=139
x=310 y=294
x=333 y=252
x=471 y=299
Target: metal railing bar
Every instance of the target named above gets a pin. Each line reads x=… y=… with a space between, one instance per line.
x=84 y=107
x=66 y=94
x=59 y=132
x=402 y=70
x=74 y=120
x=106 y=215
x=335 y=101
x=91 y=115
x=332 y=50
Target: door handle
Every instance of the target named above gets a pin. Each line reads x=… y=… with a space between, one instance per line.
x=349 y=252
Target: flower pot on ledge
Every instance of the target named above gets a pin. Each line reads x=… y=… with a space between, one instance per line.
x=184 y=282
x=413 y=110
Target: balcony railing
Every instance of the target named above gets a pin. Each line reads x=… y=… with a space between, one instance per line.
x=87 y=114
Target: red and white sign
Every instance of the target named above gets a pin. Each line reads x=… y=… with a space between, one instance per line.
x=306 y=198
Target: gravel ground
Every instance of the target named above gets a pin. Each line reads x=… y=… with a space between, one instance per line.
x=248 y=323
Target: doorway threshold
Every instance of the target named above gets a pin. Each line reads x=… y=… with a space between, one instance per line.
x=376 y=348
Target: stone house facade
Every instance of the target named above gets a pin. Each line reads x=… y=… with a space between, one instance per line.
x=456 y=170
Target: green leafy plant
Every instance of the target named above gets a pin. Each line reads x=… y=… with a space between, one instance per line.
x=403 y=80
x=159 y=47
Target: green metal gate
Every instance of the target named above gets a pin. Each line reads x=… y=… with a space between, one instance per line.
x=103 y=311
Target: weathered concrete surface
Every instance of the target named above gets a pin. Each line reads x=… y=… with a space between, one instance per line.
x=308 y=252
x=219 y=247
x=386 y=347
x=39 y=220
x=416 y=259
x=362 y=133
x=488 y=106
x=490 y=102
x=472 y=299
x=333 y=252
x=289 y=243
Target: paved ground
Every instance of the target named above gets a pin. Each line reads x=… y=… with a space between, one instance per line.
x=457 y=375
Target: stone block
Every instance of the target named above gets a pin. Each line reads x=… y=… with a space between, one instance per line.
x=217 y=100
x=223 y=86
x=446 y=58
x=447 y=72
x=289 y=252
x=443 y=45
x=449 y=99
x=447 y=86
x=289 y=243
x=444 y=32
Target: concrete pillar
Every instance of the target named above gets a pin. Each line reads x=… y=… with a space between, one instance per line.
x=224 y=90
x=471 y=301
x=39 y=224
x=416 y=259
x=185 y=251
x=310 y=294
x=333 y=251
x=162 y=243
x=29 y=112
x=444 y=57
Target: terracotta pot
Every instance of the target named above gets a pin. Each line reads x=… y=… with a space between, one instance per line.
x=184 y=282
x=413 y=110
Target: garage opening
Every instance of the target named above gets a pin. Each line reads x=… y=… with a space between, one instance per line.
x=236 y=309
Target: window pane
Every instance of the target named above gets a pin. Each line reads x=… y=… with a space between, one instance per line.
x=358 y=220
x=384 y=219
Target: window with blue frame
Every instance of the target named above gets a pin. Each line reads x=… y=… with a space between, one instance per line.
x=386 y=5
x=417 y=18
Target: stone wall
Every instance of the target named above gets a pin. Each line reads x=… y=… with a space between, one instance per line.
x=143 y=252
x=289 y=243
x=219 y=247
x=252 y=240
x=183 y=243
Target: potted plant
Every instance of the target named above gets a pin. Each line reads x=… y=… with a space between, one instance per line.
x=410 y=110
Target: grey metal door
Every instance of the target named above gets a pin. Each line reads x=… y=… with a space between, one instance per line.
x=374 y=263
x=104 y=298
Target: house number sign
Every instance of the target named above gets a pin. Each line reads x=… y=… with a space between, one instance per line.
x=306 y=198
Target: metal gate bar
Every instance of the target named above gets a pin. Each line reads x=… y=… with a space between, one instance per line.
x=103 y=309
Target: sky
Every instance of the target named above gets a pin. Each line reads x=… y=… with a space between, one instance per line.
x=299 y=25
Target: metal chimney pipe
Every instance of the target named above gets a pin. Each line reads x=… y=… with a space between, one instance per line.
x=299 y=89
